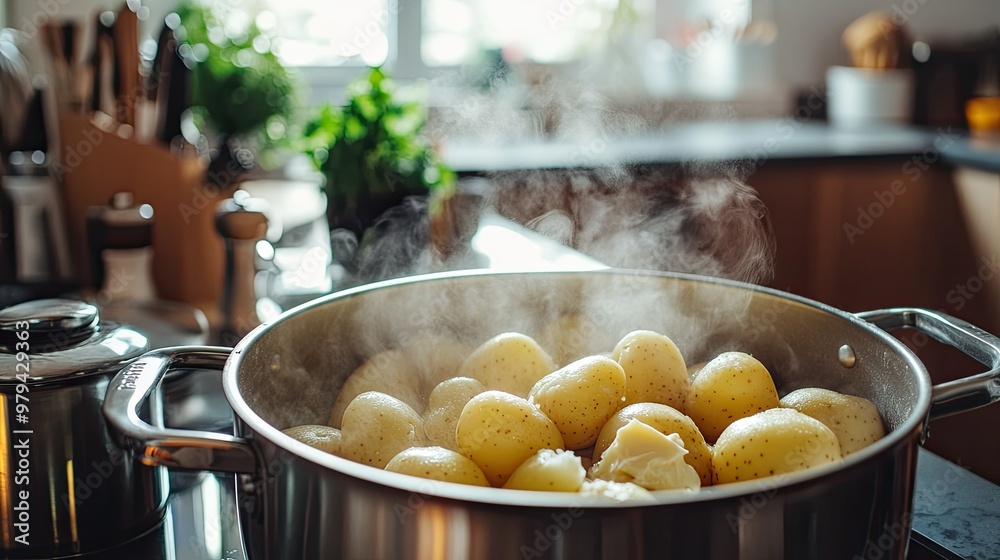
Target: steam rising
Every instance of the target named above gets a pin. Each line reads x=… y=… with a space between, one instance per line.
x=693 y=217
x=714 y=227
x=306 y=361
x=686 y=218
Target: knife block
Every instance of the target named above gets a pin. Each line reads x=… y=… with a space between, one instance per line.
x=188 y=252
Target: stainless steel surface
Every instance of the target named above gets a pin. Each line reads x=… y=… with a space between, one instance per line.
x=830 y=512
x=303 y=503
x=202 y=520
x=960 y=395
x=61 y=474
x=847 y=356
x=161 y=446
x=48 y=315
x=201 y=523
x=165 y=323
x=64 y=355
x=94 y=494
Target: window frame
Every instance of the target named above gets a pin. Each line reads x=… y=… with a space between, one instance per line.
x=404 y=61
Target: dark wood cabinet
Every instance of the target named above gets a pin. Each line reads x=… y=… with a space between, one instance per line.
x=847 y=238
x=865 y=234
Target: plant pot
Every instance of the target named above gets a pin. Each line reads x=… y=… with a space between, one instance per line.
x=369 y=208
x=229 y=165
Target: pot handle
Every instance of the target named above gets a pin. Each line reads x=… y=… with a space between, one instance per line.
x=182 y=449
x=960 y=395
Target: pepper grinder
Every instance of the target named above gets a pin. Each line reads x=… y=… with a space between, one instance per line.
x=121 y=253
x=121 y=245
x=242 y=222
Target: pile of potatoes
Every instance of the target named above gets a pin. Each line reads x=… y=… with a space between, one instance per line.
x=504 y=415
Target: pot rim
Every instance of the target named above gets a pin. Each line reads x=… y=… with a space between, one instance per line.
x=909 y=428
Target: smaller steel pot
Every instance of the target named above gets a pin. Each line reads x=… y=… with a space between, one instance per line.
x=65 y=487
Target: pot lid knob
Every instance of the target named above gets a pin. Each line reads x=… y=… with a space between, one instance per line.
x=50 y=315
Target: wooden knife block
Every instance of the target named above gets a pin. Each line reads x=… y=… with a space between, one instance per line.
x=188 y=252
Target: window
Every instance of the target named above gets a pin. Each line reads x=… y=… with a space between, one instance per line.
x=454 y=32
x=675 y=47
x=323 y=34
x=412 y=37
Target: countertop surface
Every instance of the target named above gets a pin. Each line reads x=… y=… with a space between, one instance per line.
x=753 y=140
x=955 y=512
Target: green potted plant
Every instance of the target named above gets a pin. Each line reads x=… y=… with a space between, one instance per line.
x=372 y=154
x=240 y=90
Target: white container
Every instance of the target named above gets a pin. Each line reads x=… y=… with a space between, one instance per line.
x=858 y=97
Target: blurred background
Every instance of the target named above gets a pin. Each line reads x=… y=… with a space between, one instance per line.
x=199 y=166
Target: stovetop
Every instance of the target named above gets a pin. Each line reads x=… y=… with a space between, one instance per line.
x=956 y=513
x=201 y=523
x=202 y=520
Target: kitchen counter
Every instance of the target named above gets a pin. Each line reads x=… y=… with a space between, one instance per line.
x=757 y=141
x=956 y=514
x=975 y=153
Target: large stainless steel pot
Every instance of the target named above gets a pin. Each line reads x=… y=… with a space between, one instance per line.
x=299 y=502
x=66 y=487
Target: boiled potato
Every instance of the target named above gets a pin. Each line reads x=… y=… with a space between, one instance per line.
x=323 y=438
x=454 y=392
x=775 y=441
x=390 y=372
x=732 y=386
x=499 y=431
x=509 y=362
x=572 y=337
x=437 y=463
x=666 y=420
x=435 y=357
x=555 y=471
x=580 y=398
x=654 y=369
x=445 y=406
x=377 y=427
x=855 y=420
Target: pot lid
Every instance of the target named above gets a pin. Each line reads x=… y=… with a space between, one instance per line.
x=57 y=338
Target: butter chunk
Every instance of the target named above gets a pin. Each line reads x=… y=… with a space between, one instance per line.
x=642 y=455
x=617 y=491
